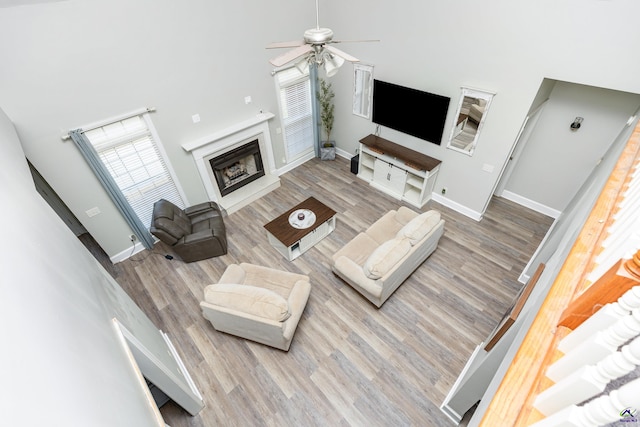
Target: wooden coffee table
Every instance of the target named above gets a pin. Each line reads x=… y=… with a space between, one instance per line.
x=292 y=235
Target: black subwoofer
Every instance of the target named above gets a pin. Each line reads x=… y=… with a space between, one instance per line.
x=354 y=163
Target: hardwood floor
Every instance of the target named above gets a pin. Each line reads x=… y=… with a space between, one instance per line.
x=349 y=363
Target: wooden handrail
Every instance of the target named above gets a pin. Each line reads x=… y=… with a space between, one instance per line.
x=611 y=286
x=632 y=265
x=512 y=404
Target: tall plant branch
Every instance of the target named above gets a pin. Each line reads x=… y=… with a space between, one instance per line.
x=325 y=98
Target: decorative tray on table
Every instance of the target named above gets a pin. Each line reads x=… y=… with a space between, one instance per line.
x=302 y=218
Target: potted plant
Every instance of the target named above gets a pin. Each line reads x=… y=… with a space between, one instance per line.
x=325 y=99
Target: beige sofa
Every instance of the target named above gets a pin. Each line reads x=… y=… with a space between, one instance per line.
x=257 y=303
x=377 y=261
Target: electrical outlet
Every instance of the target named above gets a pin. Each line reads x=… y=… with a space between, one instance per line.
x=132 y=237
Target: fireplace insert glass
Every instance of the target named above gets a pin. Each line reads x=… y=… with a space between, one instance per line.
x=238 y=167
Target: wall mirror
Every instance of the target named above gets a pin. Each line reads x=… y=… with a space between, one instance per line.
x=362 y=90
x=472 y=111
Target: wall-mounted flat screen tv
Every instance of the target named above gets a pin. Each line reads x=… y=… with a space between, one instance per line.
x=411 y=111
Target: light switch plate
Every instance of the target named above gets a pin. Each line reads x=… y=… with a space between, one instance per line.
x=93 y=212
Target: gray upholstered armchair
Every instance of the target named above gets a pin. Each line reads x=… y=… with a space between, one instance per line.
x=195 y=233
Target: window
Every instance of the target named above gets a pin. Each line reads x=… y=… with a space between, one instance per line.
x=295 y=108
x=131 y=151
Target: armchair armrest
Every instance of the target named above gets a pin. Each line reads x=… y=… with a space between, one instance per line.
x=297 y=301
x=233 y=274
x=201 y=208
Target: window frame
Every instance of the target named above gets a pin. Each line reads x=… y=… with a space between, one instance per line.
x=130 y=139
x=280 y=84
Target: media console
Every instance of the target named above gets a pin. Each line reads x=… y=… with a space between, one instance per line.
x=398 y=171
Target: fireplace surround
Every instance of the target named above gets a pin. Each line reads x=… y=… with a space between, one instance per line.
x=229 y=163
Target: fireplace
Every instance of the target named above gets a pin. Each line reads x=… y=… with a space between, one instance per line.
x=238 y=167
x=236 y=164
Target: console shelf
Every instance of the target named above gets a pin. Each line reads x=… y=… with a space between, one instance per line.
x=396 y=170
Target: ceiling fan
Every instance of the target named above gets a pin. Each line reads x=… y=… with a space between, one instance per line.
x=315 y=47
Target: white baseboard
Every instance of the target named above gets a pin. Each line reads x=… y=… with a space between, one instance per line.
x=451 y=414
x=448 y=411
x=538 y=207
x=456 y=207
x=119 y=257
x=524 y=277
x=344 y=154
x=294 y=164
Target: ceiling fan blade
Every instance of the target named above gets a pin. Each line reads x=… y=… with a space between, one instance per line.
x=279 y=45
x=290 y=55
x=342 y=54
x=353 y=41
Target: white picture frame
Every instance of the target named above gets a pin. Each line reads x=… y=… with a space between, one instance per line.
x=467 y=124
x=362 y=90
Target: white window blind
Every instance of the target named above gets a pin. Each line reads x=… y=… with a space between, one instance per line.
x=295 y=105
x=131 y=152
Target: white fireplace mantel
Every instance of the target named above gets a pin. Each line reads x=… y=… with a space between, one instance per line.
x=206 y=147
x=224 y=133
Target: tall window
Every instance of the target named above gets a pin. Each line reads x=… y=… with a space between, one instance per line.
x=295 y=108
x=131 y=151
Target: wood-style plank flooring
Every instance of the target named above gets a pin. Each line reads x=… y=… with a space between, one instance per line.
x=350 y=364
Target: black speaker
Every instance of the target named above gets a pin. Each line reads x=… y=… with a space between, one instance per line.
x=354 y=163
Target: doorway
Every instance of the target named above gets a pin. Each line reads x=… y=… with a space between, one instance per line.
x=550 y=161
x=65 y=214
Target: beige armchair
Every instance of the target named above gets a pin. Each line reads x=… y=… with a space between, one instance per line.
x=257 y=303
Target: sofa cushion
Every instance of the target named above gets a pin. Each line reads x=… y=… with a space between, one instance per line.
x=385 y=257
x=358 y=249
x=420 y=226
x=248 y=299
x=384 y=228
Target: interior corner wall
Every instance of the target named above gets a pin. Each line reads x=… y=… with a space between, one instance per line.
x=62 y=363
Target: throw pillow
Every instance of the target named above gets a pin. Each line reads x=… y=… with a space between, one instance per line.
x=253 y=300
x=420 y=226
x=385 y=257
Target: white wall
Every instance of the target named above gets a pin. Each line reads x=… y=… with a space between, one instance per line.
x=70 y=63
x=556 y=160
x=61 y=363
x=504 y=46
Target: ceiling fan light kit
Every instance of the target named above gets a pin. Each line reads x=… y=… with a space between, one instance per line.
x=332 y=63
